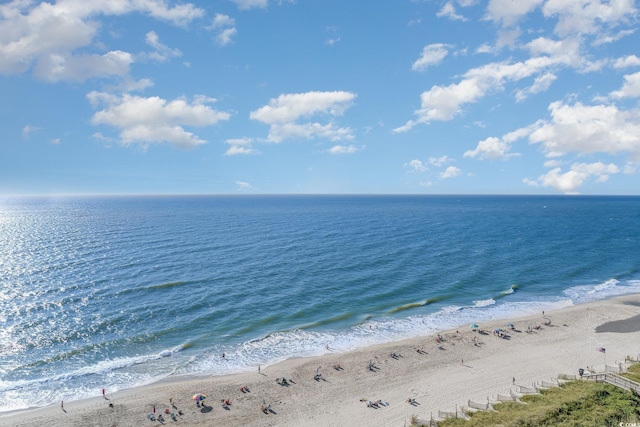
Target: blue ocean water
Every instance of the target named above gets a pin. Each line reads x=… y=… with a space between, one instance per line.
x=116 y=292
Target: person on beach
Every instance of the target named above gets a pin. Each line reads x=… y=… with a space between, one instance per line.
x=462 y=361
x=103 y=394
x=62 y=405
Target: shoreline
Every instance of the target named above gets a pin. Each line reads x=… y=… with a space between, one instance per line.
x=444 y=375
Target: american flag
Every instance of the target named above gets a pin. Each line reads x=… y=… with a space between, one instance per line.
x=601 y=349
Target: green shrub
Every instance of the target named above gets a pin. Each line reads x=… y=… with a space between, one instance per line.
x=577 y=403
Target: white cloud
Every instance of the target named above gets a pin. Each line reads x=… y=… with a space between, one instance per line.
x=251 y=4
x=243 y=186
x=163 y=52
x=627 y=61
x=154 y=120
x=587 y=16
x=223 y=21
x=343 y=149
x=432 y=54
x=569 y=182
x=239 y=146
x=540 y=84
x=54 y=67
x=490 y=148
x=47 y=37
x=509 y=12
x=333 y=41
x=440 y=161
x=443 y=103
x=449 y=11
x=225 y=26
x=225 y=36
x=610 y=38
x=416 y=165
x=588 y=129
x=283 y=112
x=28 y=130
x=450 y=172
x=630 y=88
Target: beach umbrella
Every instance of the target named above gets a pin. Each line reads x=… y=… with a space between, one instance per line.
x=510 y=325
x=199 y=396
x=474 y=326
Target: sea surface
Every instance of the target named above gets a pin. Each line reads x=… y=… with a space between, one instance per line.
x=117 y=292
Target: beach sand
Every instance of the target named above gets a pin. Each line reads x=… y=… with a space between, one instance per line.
x=438 y=375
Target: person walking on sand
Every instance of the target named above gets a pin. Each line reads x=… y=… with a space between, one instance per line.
x=462 y=361
x=258 y=368
x=62 y=405
x=103 y=395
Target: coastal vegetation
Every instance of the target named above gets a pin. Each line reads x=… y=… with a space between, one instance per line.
x=633 y=373
x=576 y=403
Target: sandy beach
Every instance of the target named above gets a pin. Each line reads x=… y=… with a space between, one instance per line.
x=439 y=374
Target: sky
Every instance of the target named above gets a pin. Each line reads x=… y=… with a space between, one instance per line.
x=320 y=97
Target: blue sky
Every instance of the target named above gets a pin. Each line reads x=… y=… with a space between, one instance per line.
x=320 y=96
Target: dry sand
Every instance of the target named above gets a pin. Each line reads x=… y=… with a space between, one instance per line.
x=439 y=376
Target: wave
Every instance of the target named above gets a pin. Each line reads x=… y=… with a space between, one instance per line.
x=99 y=368
x=607 y=289
x=412 y=305
x=273 y=347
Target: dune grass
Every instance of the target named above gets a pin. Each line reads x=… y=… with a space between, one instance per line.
x=633 y=373
x=577 y=403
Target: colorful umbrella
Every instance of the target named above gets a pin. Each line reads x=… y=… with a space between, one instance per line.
x=199 y=396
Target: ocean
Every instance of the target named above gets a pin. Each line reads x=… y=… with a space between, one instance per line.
x=117 y=292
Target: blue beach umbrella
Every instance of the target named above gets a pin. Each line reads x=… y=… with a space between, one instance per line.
x=474 y=326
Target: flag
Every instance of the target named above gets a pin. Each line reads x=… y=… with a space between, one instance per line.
x=601 y=349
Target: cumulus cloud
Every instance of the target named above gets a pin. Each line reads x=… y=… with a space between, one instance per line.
x=588 y=129
x=432 y=54
x=443 y=103
x=630 y=87
x=416 y=165
x=627 y=61
x=155 y=120
x=49 y=37
x=568 y=182
x=494 y=148
x=490 y=148
x=239 y=146
x=283 y=114
x=586 y=16
x=225 y=27
x=509 y=12
x=574 y=20
x=449 y=11
x=450 y=172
